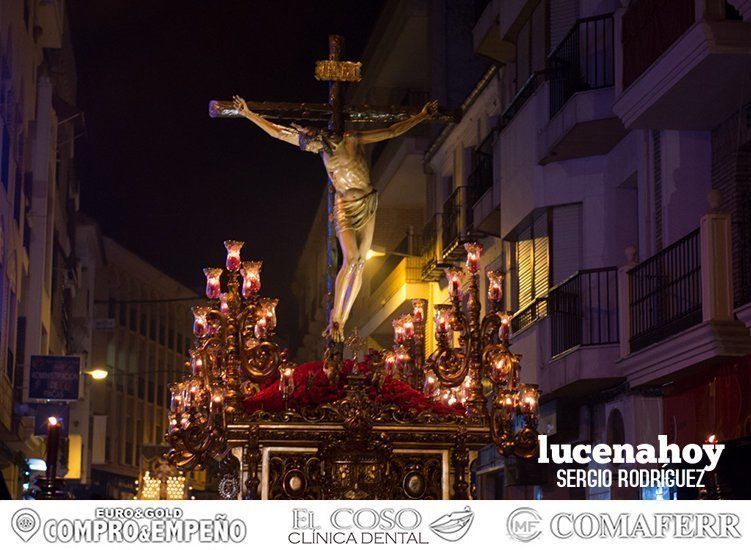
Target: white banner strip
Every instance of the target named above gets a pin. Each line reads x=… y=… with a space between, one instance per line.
x=440 y=524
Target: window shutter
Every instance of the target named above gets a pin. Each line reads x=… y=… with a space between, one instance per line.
x=566 y=241
x=541 y=259
x=563 y=16
x=525 y=266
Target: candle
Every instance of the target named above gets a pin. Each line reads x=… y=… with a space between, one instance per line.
x=196 y=362
x=216 y=402
x=431 y=384
x=495 y=286
x=233 y=255
x=402 y=359
x=251 y=273
x=268 y=309
x=390 y=362
x=408 y=326
x=286 y=381
x=442 y=319
x=399 y=334
x=474 y=250
x=528 y=399
x=200 y=323
x=53 y=444
x=213 y=287
x=455 y=276
x=418 y=310
x=224 y=303
x=261 y=328
x=505 y=330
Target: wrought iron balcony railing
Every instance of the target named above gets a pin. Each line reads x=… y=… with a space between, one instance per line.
x=665 y=292
x=530 y=314
x=584 y=60
x=583 y=310
x=452 y=219
x=525 y=92
x=480 y=179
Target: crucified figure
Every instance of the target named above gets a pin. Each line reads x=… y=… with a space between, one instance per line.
x=355 y=200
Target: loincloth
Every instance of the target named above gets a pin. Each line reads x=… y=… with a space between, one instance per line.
x=355 y=213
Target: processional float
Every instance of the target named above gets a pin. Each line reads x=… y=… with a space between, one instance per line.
x=396 y=424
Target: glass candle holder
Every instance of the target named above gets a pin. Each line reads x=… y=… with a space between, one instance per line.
x=402 y=358
x=196 y=362
x=455 y=277
x=495 y=286
x=200 y=322
x=409 y=327
x=251 y=273
x=474 y=251
x=504 y=332
x=528 y=398
x=442 y=319
x=399 y=334
x=507 y=399
x=418 y=310
x=390 y=362
x=268 y=310
x=286 y=381
x=430 y=386
x=213 y=286
x=224 y=303
x=261 y=329
x=233 y=255
x=217 y=399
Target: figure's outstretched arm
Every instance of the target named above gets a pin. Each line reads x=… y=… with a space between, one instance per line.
x=397 y=129
x=283 y=133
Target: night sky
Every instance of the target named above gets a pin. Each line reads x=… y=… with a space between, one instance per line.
x=157 y=173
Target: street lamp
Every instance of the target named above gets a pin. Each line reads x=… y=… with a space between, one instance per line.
x=98 y=374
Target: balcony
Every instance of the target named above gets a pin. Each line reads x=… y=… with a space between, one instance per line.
x=582 y=327
x=529 y=315
x=665 y=293
x=581 y=78
x=457 y=220
x=432 y=250
x=527 y=90
x=682 y=62
x=583 y=311
x=677 y=307
x=485 y=194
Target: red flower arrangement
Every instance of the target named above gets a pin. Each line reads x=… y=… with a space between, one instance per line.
x=312 y=387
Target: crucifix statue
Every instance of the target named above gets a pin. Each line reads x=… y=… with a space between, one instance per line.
x=352 y=200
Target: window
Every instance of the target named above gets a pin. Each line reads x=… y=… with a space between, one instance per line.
x=566 y=241
x=531 y=257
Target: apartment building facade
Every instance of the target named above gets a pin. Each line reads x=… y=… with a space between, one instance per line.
x=43 y=298
x=142 y=342
x=617 y=174
x=602 y=158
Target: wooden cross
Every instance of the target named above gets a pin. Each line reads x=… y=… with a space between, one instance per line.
x=336 y=72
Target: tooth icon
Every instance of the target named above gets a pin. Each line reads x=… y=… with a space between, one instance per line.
x=454 y=526
x=25 y=523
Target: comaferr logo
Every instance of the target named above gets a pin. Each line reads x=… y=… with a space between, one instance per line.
x=588 y=525
x=524 y=524
x=453 y=526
